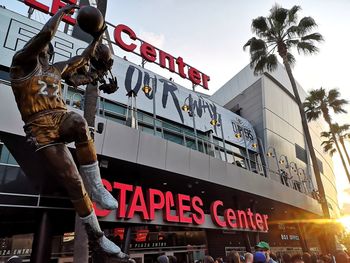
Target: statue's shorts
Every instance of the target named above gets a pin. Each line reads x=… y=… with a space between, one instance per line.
x=42 y=129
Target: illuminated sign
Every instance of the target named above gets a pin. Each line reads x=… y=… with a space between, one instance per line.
x=55 y=6
x=151 y=53
x=146 y=51
x=179 y=208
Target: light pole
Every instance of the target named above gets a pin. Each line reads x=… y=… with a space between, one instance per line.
x=256 y=155
x=211 y=150
x=131 y=110
x=191 y=112
x=147 y=89
x=215 y=122
x=240 y=134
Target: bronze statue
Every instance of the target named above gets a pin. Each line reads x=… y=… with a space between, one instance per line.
x=48 y=125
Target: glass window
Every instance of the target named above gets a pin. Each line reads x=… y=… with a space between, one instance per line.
x=115 y=118
x=4 y=73
x=229 y=157
x=172 y=127
x=147 y=119
x=172 y=137
x=6 y=156
x=147 y=130
x=240 y=161
x=300 y=153
x=222 y=155
x=114 y=108
x=75 y=98
x=202 y=147
x=190 y=143
x=320 y=165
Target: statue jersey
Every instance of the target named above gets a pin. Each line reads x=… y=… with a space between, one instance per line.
x=39 y=91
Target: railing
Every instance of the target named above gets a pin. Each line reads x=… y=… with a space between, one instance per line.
x=214 y=147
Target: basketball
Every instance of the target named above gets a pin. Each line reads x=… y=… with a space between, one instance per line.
x=90 y=19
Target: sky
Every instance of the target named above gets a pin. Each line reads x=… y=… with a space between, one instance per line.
x=209 y=35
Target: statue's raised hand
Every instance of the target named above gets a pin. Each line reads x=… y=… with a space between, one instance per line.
x=69 y=8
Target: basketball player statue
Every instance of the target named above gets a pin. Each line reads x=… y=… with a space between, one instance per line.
x=48 y=125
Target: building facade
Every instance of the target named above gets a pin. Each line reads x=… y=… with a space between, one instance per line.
x=191 y=177
x=267 y=101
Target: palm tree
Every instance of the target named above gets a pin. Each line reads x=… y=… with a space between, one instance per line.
x=320 y=102
x=342 y=132
x=328 y=145
x=280 y=32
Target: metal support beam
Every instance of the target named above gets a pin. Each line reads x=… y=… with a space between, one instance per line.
x=41 y=249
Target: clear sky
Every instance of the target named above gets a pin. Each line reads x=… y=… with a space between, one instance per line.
x=209 y=35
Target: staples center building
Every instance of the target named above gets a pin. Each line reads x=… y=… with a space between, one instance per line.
x=193 y=174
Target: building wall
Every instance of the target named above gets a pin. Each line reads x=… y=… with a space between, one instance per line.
x=283 y=129
x=250 y=104
x=276 y=120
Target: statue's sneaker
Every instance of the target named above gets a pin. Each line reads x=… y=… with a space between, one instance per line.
x=90 y=174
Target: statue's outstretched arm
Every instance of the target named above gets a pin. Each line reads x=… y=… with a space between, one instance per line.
x=35 y=45
x=74 y=63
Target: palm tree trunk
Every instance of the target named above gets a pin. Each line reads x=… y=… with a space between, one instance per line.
x=330 y=242
x=341 y=140
x=327 y=118
x=341 y=157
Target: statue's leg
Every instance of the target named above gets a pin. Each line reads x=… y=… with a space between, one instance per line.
x=60 y=162
x=74 y=128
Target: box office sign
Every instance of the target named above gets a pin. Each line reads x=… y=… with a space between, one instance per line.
x=138 y=205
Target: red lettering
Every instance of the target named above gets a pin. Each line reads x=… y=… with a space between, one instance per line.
x=103 y=212
x=121 y=212
x=171 y=61
x=181 y=65
x=198 y=217
x=138 y=204
x=194 y=75
x=259 y=221
x=250 y=214
x=214 y=213
x=265 y=222
x=169 y=202
x=118 y=37
x=148 y=52
x=230 y=218
x=242 y=215
x=182 y=208
x=41 y=7
x=152 y=204
x=205 y=80
x=57 y=4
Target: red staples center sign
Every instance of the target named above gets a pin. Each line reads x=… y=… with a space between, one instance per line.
x=180 y=209
x=146 y=51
